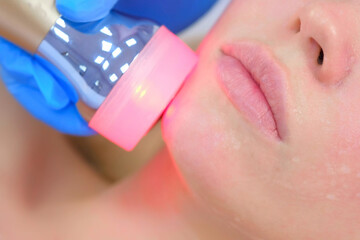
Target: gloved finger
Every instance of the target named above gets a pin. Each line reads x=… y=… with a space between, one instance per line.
x=67 y=120
x=30 y=72
x=84 y=10
x=175 y=14
x=53 y=93
x=60 y=78
x=12 y=57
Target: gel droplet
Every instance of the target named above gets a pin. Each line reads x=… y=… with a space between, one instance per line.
x=331 y=197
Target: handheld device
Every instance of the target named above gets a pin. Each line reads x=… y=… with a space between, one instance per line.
x=128 y=70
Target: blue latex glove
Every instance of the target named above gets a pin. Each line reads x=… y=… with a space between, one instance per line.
x=39 y=86
x=175 y=14
x=45 y=92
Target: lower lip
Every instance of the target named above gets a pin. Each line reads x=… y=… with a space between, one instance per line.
x=246 y=95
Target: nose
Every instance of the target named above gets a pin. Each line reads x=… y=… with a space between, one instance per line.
x=327 y=29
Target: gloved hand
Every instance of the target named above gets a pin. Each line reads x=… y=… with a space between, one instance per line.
x=174 y=14
x=39 y=86
x=45 y=92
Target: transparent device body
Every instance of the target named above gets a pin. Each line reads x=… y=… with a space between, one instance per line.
x=94 y=56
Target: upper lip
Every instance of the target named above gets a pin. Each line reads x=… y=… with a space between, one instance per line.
x=267 y=73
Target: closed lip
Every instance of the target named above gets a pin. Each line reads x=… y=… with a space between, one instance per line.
x=255 y=83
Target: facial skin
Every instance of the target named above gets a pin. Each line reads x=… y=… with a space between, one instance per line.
x=221 y=177
x=307 y=184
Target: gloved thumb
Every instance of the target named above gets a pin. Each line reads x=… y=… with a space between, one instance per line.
x=84 y=10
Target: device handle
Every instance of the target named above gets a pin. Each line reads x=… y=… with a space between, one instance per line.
x=27 y=22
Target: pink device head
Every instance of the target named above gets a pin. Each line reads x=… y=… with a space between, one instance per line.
x=139 y=99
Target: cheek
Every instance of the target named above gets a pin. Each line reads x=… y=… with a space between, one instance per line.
x=217 y=152
x=318 y=177
x=324 y=155
x=194 y=131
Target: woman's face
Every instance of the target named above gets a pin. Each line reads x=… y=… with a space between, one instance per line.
x=267 y=129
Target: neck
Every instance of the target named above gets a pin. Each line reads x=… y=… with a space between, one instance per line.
x=160 y=204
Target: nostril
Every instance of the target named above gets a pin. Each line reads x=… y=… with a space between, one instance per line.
x=317 y=54
x=296 y=26
x=320 y=59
